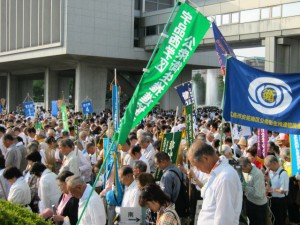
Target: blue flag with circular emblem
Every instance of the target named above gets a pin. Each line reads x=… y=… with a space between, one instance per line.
x=261 y=99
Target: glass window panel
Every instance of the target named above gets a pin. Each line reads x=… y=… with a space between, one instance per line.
x=276 y=11
x=235 y=17
x=167 y=2
x=218 y=20
x=250 y=15
x=225 y=19
x=137 y=4
x=163 y=6
x=151 y=30
x=150 y=6
x=265 y=13
x=161 y=28
x=292 y=9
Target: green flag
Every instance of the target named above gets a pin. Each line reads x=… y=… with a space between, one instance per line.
x=64 y=117
x=38 y=125
x=170 y=145
x=187 y=30
x=189 y=125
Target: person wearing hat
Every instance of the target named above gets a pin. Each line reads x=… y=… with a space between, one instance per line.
x=243 y=146
x=283 y=141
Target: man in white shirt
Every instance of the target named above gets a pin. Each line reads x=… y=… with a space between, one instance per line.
x=132 y=193
x=71 y=160
x=222 y=194
x=48 y=190
x=125 y=157
x=279 y=189
x=94 y=213
x=148 y=151
x=135 y=153
x=255 y=192
x=13 y=156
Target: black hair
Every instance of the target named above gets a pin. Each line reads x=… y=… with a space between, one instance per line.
x=153 y=192
x=162 y=156
x=12 y=172
x=136 y=149
x=126 y=170
x=63 y=175
x=37 y=169
x=2 y=162
x=34 y=156
x=67 y=143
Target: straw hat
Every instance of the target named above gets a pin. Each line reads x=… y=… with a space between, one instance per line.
x=242 y=141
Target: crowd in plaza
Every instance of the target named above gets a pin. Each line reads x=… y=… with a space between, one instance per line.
x=51 y=171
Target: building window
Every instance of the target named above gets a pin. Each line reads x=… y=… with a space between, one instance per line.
x=161 y=28
x=137 y=4
x=265 y=13
x=137 y=36
x=151 y=30
x=225 y=19
x=235 y=17
x=218 y=19
x=292 y=9
x=249 y=15
x=154 y=5
x=276 y=11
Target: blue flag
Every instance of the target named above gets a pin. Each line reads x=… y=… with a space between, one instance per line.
x=256 y=98
x=87 y=107
x=115 y=107
x=222 y=47
x=185 y=93
x=54 y=108
x=0 y=108
x=28 y=109
x=295 y=153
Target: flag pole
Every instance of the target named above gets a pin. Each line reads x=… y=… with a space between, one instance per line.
x=223 y=103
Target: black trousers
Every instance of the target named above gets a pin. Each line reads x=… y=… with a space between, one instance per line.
x=256 y=213
x=279 y=210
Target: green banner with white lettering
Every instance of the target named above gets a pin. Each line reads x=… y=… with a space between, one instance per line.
x=187 y=30
x=64 y=117
x=170 y=144
x=189 y=125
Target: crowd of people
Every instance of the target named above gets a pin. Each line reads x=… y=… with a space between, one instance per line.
x=51 y=170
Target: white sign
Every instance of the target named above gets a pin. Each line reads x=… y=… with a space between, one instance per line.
x=130 y=215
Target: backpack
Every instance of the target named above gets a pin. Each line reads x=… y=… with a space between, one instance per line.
x=182 y=201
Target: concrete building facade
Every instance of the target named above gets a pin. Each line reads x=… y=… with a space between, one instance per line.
x=78 y=43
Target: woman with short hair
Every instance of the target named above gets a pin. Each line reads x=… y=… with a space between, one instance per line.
x=155 y=199
x=19 y=192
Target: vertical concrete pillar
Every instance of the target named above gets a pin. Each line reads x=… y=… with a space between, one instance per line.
x=3 y=86
x=91 y=81
x=51 y=87
x=270 y=56
x=12 y=88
